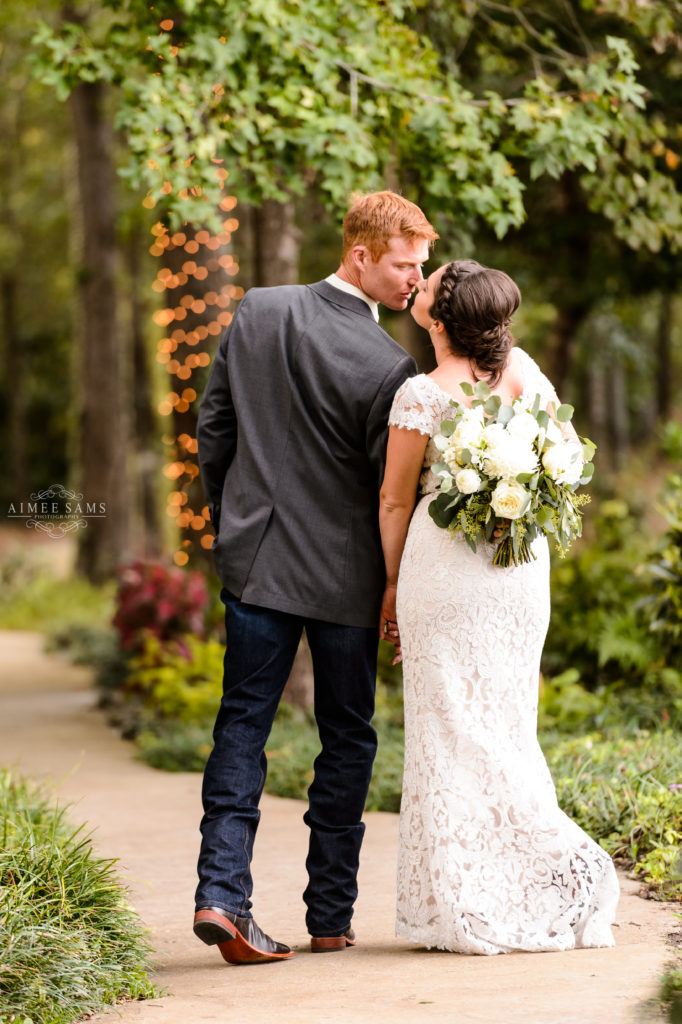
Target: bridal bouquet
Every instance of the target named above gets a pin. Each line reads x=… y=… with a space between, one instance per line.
x=513 y=463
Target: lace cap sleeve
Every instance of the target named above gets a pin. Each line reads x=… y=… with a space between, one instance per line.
x=535 y=382
x=411 y=408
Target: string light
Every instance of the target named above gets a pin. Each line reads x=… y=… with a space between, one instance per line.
x=191 y=321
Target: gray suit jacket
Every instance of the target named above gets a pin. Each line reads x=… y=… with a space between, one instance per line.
x=292 y=434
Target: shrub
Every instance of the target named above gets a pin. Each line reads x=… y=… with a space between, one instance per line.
x=164 y=602
x=627 y=794
x=70 y=944
x=595 y=625
x=180 y=681
x=564 y=704
x=37 y=600
x=663 y=607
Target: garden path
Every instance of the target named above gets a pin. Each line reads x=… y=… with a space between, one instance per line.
x=50 y=728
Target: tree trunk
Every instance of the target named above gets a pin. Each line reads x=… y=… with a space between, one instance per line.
x=574 y=295
x=597 y=405
x=664 y=357
x=276 y=242
x=13 y=356
x=415 y=340
x=103 y=444
x=145 y=430
x=300 y=688
x=561 y=345
x=618 y=418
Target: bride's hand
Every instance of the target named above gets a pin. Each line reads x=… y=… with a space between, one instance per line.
x=388 y=625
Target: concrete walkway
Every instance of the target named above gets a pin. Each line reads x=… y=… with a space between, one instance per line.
x=148 y=819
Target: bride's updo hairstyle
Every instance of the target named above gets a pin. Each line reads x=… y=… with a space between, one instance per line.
x=475 y=304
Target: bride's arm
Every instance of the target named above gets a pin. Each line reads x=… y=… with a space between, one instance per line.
x=404 y=460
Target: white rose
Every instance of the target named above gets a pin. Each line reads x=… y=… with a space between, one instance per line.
x=523 y=425
x=508 y=500
x=564 y=462
x=506 y=456
x=467 y=481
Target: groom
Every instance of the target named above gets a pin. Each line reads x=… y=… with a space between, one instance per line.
x=292 y=432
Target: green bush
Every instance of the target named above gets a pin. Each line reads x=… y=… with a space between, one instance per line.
x=627 y=794
x=663 y=607
x=38 y=600
x=564 y=705
x=180 y=683
x=595 y=625
x=70 y=943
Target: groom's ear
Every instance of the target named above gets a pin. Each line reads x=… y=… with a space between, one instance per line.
x=360 y=256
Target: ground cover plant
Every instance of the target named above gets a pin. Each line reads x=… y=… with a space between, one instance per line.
x=31 y=597
x=69 y=943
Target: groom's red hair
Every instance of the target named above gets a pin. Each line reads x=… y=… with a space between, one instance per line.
x=375 y=218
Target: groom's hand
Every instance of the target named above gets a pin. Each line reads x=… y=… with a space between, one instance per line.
x=501 y=528
x=388 y=624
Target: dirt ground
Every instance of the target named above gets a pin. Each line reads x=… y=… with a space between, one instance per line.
x=50 y=728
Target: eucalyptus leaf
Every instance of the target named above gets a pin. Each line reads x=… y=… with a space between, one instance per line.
x=589 y=448
x=467 y=388
x=564 y=413
x=492 y=405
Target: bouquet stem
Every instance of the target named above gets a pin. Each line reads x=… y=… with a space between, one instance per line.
x=505 y=555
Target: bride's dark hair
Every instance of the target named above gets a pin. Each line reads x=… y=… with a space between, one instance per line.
x=475 y=304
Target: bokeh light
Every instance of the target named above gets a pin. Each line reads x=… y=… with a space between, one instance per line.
x=192 y=318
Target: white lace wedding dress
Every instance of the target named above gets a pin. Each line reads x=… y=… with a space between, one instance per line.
x=488 y=863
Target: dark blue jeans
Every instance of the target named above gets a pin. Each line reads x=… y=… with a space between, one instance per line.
x=260 y=648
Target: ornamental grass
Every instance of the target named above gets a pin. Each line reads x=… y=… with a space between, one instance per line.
x=70 y=945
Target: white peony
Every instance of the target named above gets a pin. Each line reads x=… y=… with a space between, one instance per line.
x=506 y=456
x=493 y=433
x=523 y=425
x=564 y=462
x=467 y=433
x=509 y=499
x=467 y=481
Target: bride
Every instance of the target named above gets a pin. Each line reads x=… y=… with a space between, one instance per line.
x=488 y=863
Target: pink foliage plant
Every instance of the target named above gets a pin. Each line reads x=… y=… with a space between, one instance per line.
x=161 y=601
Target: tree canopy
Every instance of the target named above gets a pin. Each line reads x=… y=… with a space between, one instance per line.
x=284 y=94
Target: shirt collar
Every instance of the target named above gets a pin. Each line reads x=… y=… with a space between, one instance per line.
x=350 y=289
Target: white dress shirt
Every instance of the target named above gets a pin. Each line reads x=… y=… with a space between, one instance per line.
x=344 y=286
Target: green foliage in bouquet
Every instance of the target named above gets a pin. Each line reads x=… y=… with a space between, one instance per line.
x=510 y=467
